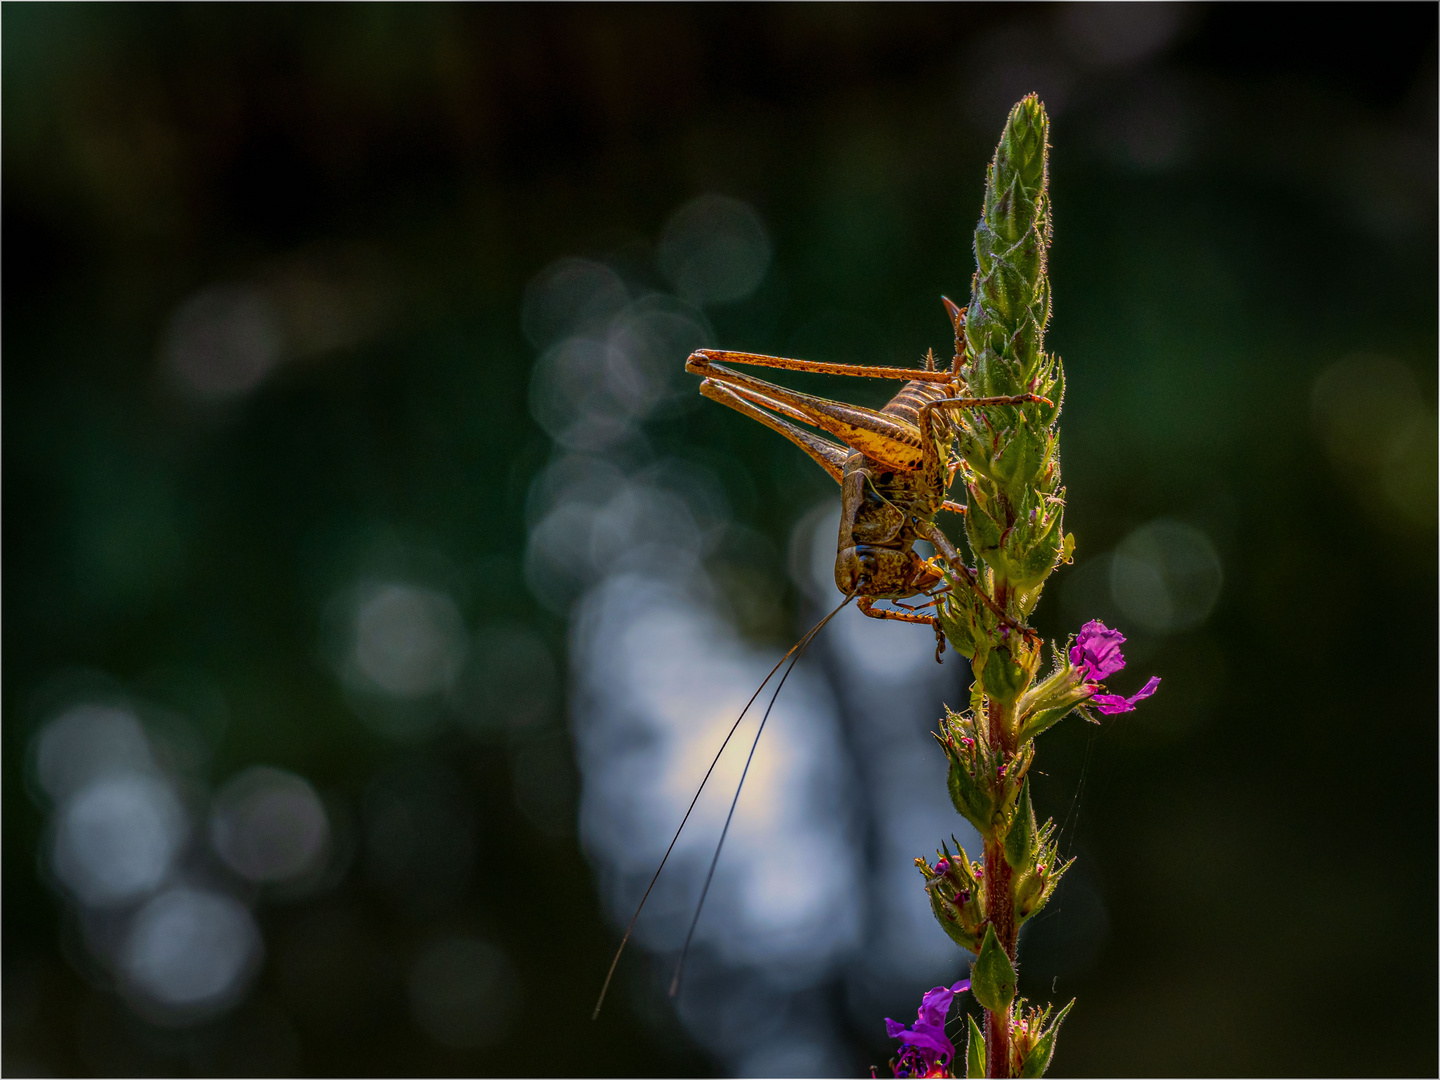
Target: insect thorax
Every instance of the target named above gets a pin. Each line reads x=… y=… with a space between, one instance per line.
x=875 y=552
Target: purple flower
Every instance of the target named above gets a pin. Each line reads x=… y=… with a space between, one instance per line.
x=925 y=1050
x=1096 y=651
x=1096 y=656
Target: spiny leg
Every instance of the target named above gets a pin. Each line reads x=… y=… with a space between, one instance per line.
x=867 y=605
x=917 y=607
x=880 y=613
x=982 y=402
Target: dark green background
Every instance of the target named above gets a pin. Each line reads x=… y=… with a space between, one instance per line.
x=1265 y=828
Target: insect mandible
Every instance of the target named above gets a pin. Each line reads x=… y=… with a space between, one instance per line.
x=894 y=468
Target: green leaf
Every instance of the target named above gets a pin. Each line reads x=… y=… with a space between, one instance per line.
x=1038 y=1059
x=992 y=976
x=975 y=1052
x=1020 y=842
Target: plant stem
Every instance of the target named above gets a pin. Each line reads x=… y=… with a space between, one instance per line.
x=999 y=899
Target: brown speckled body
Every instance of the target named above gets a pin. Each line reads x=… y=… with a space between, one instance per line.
x=879 y=507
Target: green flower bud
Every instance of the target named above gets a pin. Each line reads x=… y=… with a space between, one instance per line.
x=970 y=791
x=1032 y=1037
x=956 y=898
x=1034 y=889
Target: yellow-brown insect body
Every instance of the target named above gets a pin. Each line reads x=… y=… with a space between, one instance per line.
x=880 y=505
x=893 y=467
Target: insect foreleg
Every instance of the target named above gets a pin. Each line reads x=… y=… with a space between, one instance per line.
x=976 y=403
x=954 y=507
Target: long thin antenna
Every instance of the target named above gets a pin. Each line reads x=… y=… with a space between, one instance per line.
x=799 y=651
x=799 y=645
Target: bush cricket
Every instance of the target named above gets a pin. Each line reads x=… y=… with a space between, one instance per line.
x=894 y=468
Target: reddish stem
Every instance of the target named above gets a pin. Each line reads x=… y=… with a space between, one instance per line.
x=1002 y=907
x=999 y=898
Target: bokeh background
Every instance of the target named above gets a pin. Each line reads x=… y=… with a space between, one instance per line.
x=377 y=586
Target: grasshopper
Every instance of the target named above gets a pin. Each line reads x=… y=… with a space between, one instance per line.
x=894 y=467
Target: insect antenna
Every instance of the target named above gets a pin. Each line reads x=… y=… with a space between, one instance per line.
x=795 y=650
x=799 y=651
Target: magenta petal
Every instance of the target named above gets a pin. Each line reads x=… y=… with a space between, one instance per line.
x=929 y=1038
x=935 y=1005
x=1100 y=650
x=933 y=1011
x=1110 y=704
x=1151 y=685
x=928 y=1034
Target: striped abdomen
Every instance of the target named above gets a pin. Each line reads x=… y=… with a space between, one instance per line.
x=913 y=395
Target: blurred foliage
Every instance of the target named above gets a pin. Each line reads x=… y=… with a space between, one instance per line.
x=1245 y=221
